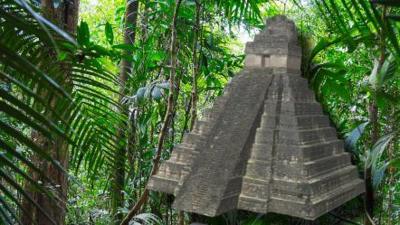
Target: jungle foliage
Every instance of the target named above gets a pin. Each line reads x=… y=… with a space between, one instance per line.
x=102 y=102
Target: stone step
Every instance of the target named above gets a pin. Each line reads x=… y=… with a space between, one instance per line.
x=169 y=171
x=304 y=121
x=292 y=96
x=256 y=71
x=325 y=165
x=290 y=83
x=252 y=204
x=262 y=152
x=318 y=205
x=162 y=184
x=278 y=108
x=318 y=135
x=293 y=88
x=182 y=154
x=297 y=170
x=255 y=188
x=172 y=165
x=258 y=169
x=321 y=150
x=173 y=169
x=294 y=122
x=276 y=47
x=292 y=207
x=286 y=152
x=316 y=186
x=265 y=37
x=201 y=193
x=335 y=179
x=334 y=199
x=191 y=140
x=295 y=137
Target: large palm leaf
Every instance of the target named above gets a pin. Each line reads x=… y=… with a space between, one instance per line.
x=350 y=18
x=32 y=55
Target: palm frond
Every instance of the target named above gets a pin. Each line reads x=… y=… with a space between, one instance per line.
x=31 y=64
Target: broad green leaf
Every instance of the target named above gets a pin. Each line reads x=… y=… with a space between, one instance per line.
x=353 y=137
x=140 y=94
x=156 y=93
x=83 y=34
x=388 y=69
x=377 y=150
x=379 y=76
x=378 y=174
x=373 y=77
x=109 y=33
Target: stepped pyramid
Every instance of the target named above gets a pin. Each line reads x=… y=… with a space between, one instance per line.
x=265 y=145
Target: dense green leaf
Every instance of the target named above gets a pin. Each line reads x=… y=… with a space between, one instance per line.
x=353 y=137
x=109 y=33
x=83 y=35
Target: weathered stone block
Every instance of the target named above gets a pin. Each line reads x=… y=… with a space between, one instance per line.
x=253 y=60
x=278 y=61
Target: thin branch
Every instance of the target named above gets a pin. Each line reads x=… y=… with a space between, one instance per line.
x=195 y=64
x=156 y=161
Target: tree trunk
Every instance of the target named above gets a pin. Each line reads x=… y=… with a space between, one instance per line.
x=167 y=119
x=391 y=182
x=145 y=21
x=66 y=17
x=196 y=68
x=118 y=176
x=369 y=201
x=195 y=64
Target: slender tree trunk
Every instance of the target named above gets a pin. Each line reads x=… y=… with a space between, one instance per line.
x=66 y=17
x=391 y=169
x=167 y=119
x=195 y=72
x=132 y=143
x=391 y=182
x=188 y=108
x=145 y=21
x=196 y=65
x=369 y=201
x=118 y=177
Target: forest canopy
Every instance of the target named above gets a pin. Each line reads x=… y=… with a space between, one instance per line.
x=95 y=94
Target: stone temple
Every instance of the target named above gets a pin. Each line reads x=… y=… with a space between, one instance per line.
x=265 y=145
